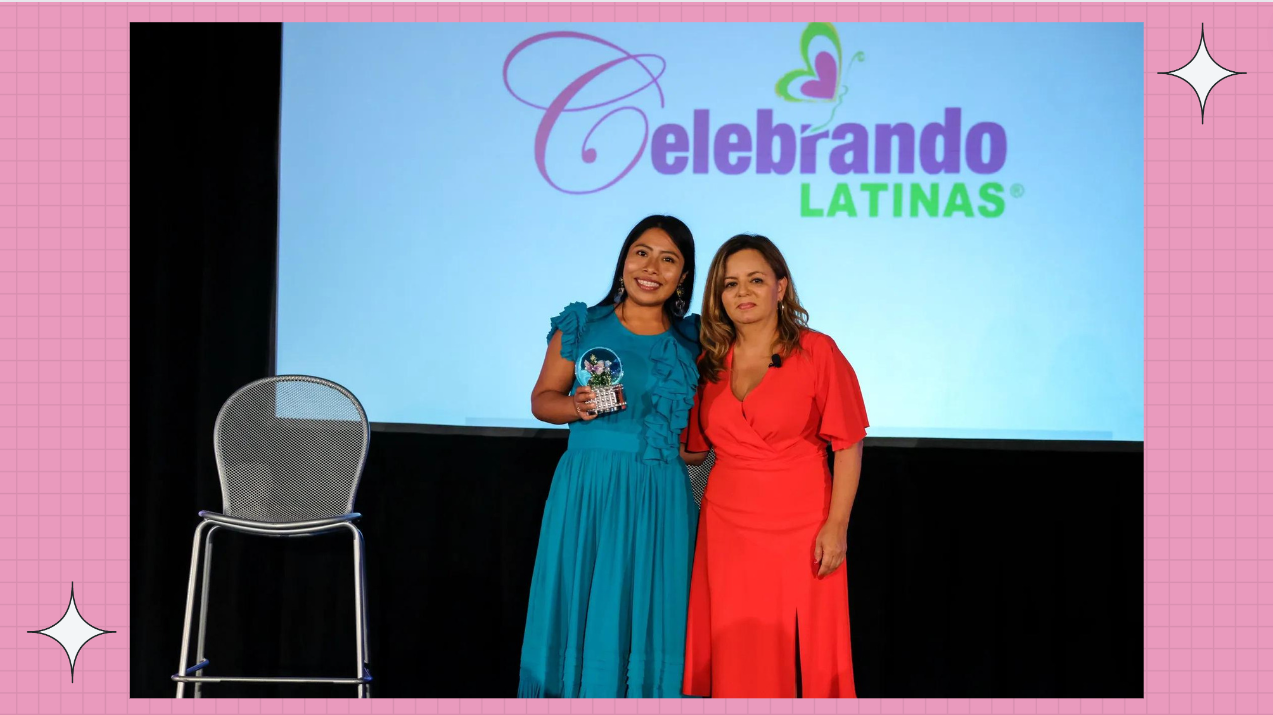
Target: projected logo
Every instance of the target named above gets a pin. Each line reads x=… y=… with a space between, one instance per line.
x=611 y=89
x=820 y=78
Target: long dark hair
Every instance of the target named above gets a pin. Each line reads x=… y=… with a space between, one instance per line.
x=684 y=240
x=717 y=333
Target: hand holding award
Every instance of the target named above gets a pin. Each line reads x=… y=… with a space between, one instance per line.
x=600 y=371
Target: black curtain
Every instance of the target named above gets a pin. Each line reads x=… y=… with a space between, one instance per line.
x=205 y=171
x=974 y=570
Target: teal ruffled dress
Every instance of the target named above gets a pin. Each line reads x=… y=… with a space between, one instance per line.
x=610 y=590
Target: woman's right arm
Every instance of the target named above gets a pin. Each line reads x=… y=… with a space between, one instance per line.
x=692 y=436
x=693 y=458
x=550 y=401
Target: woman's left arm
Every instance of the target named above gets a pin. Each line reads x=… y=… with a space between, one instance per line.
x=832 y=543
x=843 y=425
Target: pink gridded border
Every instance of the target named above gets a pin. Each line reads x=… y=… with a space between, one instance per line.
x=64 y=332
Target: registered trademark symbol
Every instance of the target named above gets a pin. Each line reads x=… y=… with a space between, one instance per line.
x=1018 y=191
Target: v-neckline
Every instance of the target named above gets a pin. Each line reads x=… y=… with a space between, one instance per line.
x=741 y=400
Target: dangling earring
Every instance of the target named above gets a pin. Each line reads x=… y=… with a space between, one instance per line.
x=680 y=300
x=618 y=297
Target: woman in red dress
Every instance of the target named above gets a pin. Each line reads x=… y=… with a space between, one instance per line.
x=769 y=593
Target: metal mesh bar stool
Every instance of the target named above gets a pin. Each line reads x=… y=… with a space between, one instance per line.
x=698 y=476
x=290 y=452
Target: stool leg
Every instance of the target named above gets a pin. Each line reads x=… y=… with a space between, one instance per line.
x=359 y=617
x=366 y=631
x=203 y=606
x=185 y=625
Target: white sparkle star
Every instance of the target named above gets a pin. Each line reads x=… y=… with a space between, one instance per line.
x=1202 y=73
x=72 y=632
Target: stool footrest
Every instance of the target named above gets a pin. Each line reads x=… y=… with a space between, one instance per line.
x=249 y=679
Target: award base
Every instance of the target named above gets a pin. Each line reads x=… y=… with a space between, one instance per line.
x=609 y=398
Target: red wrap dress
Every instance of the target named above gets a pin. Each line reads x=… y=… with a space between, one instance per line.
x=754 y=591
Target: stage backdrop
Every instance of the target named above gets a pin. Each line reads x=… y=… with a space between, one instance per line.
x=960 y=205
x=973 y=571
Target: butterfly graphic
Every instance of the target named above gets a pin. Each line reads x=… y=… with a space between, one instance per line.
x=819 y=81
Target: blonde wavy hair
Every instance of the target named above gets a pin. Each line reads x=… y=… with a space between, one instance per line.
x=717 y=333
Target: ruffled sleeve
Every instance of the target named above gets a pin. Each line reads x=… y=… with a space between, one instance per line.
x=571 y=322
x=674 y=378
x=838 y=397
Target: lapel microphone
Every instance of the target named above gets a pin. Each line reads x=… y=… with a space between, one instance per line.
x=775 y=360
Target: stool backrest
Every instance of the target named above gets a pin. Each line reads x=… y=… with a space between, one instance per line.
x=290 y=448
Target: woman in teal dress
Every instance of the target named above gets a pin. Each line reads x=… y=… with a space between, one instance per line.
x=611 y=583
